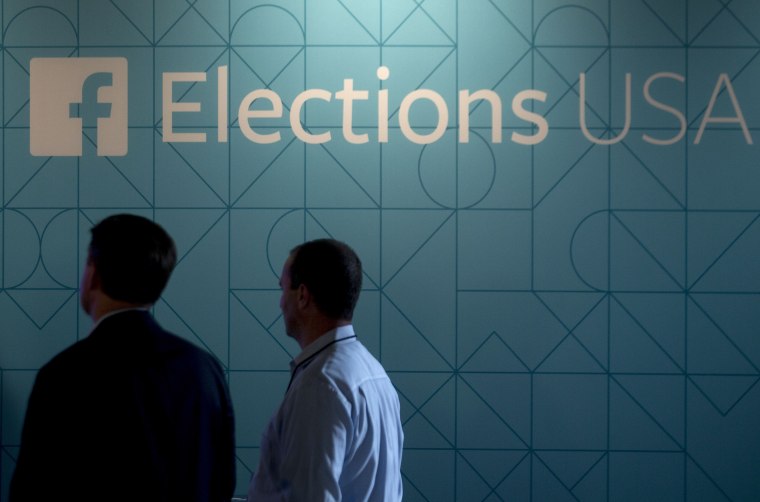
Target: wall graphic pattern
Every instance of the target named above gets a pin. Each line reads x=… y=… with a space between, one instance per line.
x=563 y=321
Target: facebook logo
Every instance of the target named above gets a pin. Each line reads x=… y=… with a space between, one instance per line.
x=69 y=97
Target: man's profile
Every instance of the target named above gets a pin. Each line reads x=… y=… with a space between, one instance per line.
x=131 y=412
x=337 y=434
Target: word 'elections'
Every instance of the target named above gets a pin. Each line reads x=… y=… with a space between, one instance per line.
x=262 y=105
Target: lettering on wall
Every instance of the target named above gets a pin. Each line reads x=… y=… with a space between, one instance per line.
x=65 y=90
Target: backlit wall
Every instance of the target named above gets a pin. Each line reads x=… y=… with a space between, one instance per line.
x=556 y=203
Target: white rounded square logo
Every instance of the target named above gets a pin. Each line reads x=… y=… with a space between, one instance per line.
x=62 y=90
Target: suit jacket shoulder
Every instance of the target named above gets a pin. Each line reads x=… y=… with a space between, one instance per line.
x=130 y=401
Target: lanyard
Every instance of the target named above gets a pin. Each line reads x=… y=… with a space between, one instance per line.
x=306 y=361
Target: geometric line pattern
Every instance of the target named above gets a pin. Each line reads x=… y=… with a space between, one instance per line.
x=563 y=321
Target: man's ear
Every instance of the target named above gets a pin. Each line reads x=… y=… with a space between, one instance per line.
x=304 y=296
x=93 y=274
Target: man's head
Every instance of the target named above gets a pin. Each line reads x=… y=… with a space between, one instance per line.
x=130 y=260
x=330 y=272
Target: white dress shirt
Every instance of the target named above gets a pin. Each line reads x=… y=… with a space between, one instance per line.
x=337 y=434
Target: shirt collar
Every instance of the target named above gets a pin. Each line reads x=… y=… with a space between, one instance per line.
x=334 y=335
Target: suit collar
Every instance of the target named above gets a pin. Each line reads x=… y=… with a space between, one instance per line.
x=137 y=310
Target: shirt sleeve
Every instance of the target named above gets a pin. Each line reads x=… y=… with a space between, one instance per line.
x=315 y=429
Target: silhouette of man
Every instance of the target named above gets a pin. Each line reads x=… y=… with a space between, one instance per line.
x=131 y=412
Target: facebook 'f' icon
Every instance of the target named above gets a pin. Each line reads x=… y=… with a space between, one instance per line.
x=66 y=92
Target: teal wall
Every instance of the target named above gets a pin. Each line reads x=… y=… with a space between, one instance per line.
x=563 y=321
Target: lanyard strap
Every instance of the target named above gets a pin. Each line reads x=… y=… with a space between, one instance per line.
x=306 y=361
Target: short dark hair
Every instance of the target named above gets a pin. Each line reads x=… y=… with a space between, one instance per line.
x=332 y=272
x=133 y=257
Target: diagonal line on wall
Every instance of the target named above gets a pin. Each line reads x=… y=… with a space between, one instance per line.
x=25 y=103
x=242 y=462
x=42 y=325
x=424 y=243
x=345 y=170
x=432 y=20
x=203 y=236
x=504 y=77
x=501 y=481
x=722 y=332
x=366 y=30
x=268 y=329
x=491 y=489
x=571 y=87
x=195 y=171
x=191 y=7
x=653 y=175
x=646 y=412
x=8 y=452
x=427 y=77
x=418 y=409
x=171 y=26
x=556 y=477
x=602 y=456
x=665 y=24
x=264 y=171
x=90 y=221
x=496 y=335
x=268 y=84
x=413 y=485
x=195 y=335
x=723 y=9
x=593 y=466
x=647 y=251
x=707 y=475
x=646 y=332
x=741 y=23
x=416 y=329
x=726 y=412
x=116 y=168
x=561 y=178
x=130 y=21
x=25 y=70
x=21 y=189
x=493 y=410
x=720 y=256
x=570 y=331
x=527 y=39
x=417 y=7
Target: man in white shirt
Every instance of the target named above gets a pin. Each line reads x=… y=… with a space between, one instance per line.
x=337 y=433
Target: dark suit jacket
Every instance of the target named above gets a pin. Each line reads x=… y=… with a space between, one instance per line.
x=130 y=413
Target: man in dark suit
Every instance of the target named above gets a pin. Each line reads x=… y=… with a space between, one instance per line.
x=132 y=412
